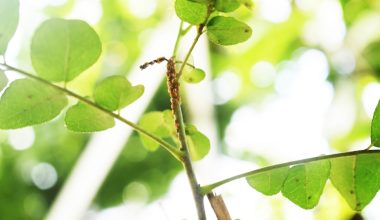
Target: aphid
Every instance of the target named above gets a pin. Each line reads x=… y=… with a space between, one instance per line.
x=158 y=60
x=172 y=83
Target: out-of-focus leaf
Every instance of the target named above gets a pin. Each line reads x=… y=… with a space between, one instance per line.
x=199 y=144
x=194 y=76
x=372 y=54
x=191 y=12
x=9 y=12
x=269 y=182
x=116 y=92
x=27 y=102
x=357 y=178
x=375 y=127
x=227 y=5
x=85 y=118
x=62 y=49
x=158 y=123
x=227 y=30
x=3 y=80
x=305 y=183
x=247 y=3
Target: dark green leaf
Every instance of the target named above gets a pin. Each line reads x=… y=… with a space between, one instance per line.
x=357 y=178
x=375 y=127
x=9 y=12
x=85 y=118
x=269 y=182
x=191 y=12
x=227 y=30
x=27 y=102
x=227 y=5
x=158 y=123
x=199 y=144
x=3 y=80
x=62 y=49
x=194 y=76
x=116 y=92
x=304 y=184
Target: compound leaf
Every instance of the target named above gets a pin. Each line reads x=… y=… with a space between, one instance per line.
x=62 y=49
x=357 y=178
x=190 y=11
x=116 y=92
x=9 y=11
x=227 y=30
x=269 y=182
x=27 y=102
x=85 y=118
x=304 y=184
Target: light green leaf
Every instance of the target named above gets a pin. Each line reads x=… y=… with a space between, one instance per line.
x=371 y=53
x=375 y=127
x=247 y=3
x=63 y=49
x=227 y=5
x=3 y=80
x=85 y=118
x=357 y=178
x=304 y=184
x=194 y=76
x=269 y=182
x=227 y=30
x=199 y=144
x=9 y=11
x=191 y=12
x=157 y=123
x=116 y=92
x=27 y=102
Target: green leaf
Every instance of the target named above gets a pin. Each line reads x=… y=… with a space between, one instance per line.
x=227 y=5
x=247 y=3
x=158 y=123
x=304 y=184
x=202 y=1
x=3 y=80
x=375 y=127
x=9 y=11
x=62 y=49
x=27 y=102
x=227 y=30
x=194 y=76
x=199 y=144
x=116 y=92
x=85 y=118
x=371 y=54
x=269 y=182
x=357 y=178
x=191 y=12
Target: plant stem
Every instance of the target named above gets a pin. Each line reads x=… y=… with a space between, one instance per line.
x=177 y=111
x=208 y=188
x=172 y=149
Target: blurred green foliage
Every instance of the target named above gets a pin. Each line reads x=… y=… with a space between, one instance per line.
x=123 y=36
